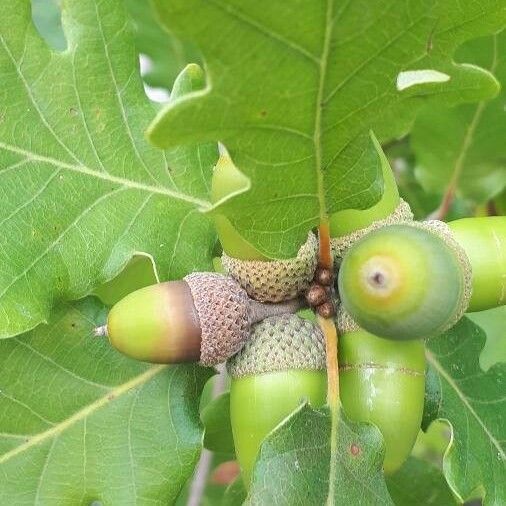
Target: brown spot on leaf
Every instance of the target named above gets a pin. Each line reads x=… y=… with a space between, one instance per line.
x=355 y=450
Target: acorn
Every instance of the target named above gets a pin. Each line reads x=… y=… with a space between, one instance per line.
x=282 y=365
x=383 y=382
x=205 y=318
x=264 y=279
x=406 y=281
x=484 y=241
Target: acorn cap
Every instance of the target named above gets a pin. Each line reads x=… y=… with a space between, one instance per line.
x=280 y=343
x=345 y=324
x=223 y=310
x=275 y=280
x=401 y=214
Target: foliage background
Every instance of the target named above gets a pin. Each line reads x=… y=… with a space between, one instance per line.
x=74 y=415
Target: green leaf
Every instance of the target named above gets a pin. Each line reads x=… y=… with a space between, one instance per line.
x=235 y=495
x=294 y=87
x=422 y=203
x=79 y=422
x=82 y=191
x=137 y=274
x=473 y=402
x=47 y=18
x=464 y=147
x=218 y=430
x=168 y=55
x=493 y=323
x=418 y=482
x=298 y=456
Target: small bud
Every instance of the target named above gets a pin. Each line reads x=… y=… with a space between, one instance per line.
x=324 y=276
x=326 y=310
x=316 y=295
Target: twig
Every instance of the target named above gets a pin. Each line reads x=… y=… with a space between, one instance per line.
x=199 y=482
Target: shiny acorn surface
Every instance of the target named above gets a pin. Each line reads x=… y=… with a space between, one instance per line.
x=259 y=403
x=158 y=323
x=383 y=382
x=402 y=282
x=484 y=241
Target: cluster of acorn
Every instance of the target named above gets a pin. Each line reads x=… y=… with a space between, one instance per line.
x=398 y=281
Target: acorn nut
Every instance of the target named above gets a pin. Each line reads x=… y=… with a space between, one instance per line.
x=406 y=281
x=282 y=364
x=206 y=318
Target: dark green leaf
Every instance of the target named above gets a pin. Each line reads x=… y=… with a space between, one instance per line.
x=218 y=431
x=168 y=55
x=297 y=466
x=473 y=402
x=294 y=87
x=464 y=147
x=418 y=482
x=82 y=191
x=81 y=423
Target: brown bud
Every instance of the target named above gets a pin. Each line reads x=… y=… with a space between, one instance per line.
x=326 y=310
x=316 y=295
x=324 y=276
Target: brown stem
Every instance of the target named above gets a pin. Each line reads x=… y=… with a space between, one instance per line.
x=261 y=310
x=328 y=327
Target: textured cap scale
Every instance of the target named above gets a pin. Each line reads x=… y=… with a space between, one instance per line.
x=275 y=280
x=223 y=310
x=280 y=343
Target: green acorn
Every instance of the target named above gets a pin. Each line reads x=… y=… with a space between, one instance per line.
x=406 y=281
x=383 y=382
x=206 y=318
x=484 y=241
x=263 y=279
x=282 y=364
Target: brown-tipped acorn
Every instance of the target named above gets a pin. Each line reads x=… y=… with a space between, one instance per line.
x=206 y=318
x=281 y=365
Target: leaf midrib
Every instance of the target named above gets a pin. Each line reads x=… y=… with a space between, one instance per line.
x=85 y=412
x=203 y=205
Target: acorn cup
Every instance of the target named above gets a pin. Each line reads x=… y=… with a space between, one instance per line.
x=205 y=318
x=383 y=382
x=282 y=364
x=263 y=279
x=406 y=281
x=484 y=241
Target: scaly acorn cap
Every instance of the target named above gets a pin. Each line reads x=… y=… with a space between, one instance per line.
x=275 y=280
x=280 y=343
x=205 y=317
x=401 y=214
